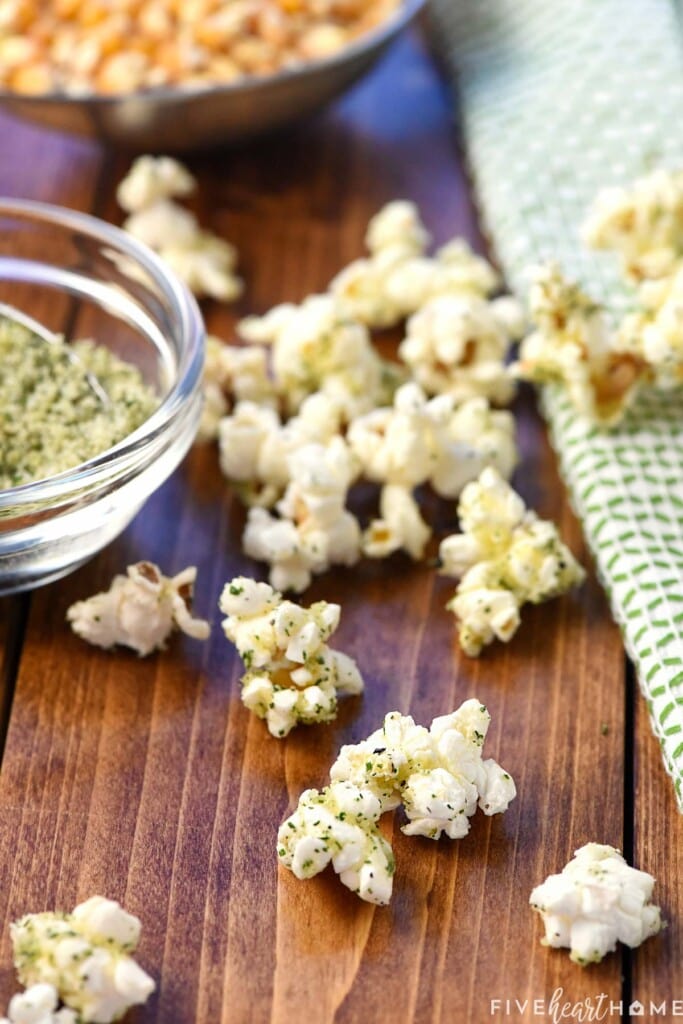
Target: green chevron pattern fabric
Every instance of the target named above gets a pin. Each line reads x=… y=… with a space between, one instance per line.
x=558 y=100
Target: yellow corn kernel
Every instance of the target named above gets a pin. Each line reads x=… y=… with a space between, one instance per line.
x=32 y=79
x=121 y=73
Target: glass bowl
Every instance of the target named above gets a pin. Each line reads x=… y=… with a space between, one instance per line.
x=175 y=119
x=84 y=278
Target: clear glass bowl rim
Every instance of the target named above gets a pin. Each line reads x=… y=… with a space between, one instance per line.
x=183 y=309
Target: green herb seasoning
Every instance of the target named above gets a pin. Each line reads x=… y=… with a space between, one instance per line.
x=50 y=418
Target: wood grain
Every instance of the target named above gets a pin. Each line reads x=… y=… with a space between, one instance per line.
x=658 y=848
x=147 y=781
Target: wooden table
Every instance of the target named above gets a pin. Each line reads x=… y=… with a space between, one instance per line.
x=147 y=781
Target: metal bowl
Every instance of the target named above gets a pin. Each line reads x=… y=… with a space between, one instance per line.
x=174 y=119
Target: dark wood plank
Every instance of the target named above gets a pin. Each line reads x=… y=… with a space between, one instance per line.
x=148 y=781
x=658 y=848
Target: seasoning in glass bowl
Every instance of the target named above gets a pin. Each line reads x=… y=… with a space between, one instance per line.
x=50 y=418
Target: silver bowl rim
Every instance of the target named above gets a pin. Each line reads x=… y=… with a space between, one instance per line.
x=170 y=94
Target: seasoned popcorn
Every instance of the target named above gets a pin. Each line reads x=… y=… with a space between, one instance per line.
x=86 y=957
x=315 y=530
x=505 y=557
x=255 y=446
x=232 y=374
x=292 y=675
x=642 y=223
x=38 y=1005
x=398 y=224
x=401 y=527
x=439 y=776
x=596 y=901
x=398 y=278
x=320 y=347
x=205 y=262
x=654 y=333
x=140 y=610
x=574 y=345
x=457 y=345
x=438 y=441
x=151 y=179
x=339 y=825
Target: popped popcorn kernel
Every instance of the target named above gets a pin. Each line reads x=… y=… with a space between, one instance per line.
x=205 y=262
x=505 y=556
x=140 y=610
x=574 y=345
x=596 y=901
x=292 y=675
x=85 y=958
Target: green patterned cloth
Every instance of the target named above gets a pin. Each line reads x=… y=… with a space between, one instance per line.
x=558 y=99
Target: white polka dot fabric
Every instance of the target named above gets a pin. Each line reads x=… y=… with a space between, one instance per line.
x=557 y=100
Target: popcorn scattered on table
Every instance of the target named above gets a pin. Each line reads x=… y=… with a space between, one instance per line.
x=320 y=346
x=596 y=901
x=398 y=278
x=140 y=610
x=86 y=957
x=574 y=345
x=642 y=223
x=38 y=1005
x=205 y=262
x=437 y=774
x=292 y=675
x=339 y=825
x=457 y=345
x=505 y=556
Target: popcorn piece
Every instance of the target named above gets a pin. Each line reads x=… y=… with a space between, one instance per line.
x=153 y=178
x=642 y=223
x=320 y=347
x=596 y=901
x=316 y=531
x=397 y=224
x=438 y=774
x=232 y=374
x=419 y=441
x=163 y=224
x=505 y=557
x=398 y=278
x=292 y=675
x=206 y=265
x=38 y=1005
x=205 y=262
x=140 y=610
x=85 y=957
x=574 y=345
x=339 y=824
x=400 y=528
x=255 y=446
x=457 y=345
x=654 y=333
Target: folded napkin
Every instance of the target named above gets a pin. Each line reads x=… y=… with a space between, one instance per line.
x=558 y=100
